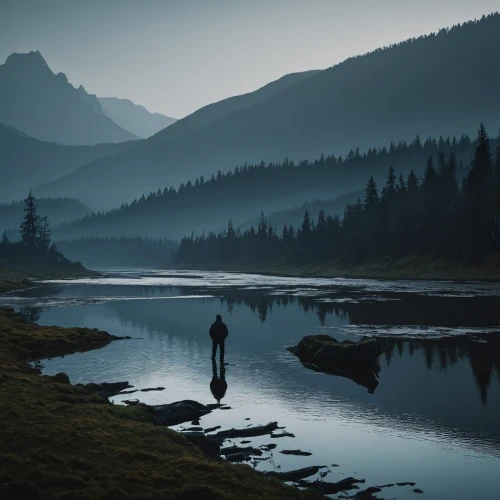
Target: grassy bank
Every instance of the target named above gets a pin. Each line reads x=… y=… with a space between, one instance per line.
x=16 y=275
x=412 y=267
x=67 y=443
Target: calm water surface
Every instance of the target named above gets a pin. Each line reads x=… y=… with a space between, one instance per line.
x=434 y=418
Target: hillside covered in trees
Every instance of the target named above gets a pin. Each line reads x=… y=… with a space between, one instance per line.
x=435 y=216
x=441 y=83
x=247 y=190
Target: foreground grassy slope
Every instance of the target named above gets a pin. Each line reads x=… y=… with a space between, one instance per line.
x=60 y=441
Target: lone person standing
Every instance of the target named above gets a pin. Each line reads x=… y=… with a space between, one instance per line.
x=218 y=334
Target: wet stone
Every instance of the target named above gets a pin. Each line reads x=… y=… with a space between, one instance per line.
x=282 y=434
x=296 y=452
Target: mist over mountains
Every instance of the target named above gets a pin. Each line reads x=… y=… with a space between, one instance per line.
x=26 y=162
x=133 y=117
x=202 y=205
x=47 y=107
x=445 y=83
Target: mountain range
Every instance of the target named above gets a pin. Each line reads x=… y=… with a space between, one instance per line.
x=26 y=162
x=194 y=122
x=47 y=107
x=133 y=117
x=443 y=83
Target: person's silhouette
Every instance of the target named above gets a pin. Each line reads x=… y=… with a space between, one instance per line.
x=218 y=333
x=218 y=384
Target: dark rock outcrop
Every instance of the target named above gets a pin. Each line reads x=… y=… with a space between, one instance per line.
x=179 y=412
x=259 y=430
x=108 y=389
x=296 y=475
x=240 y=454
x=62 y=378
x=299 y=453
x=357 y=361
x=326 y=488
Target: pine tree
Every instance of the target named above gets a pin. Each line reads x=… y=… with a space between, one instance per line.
x=478 y=195
x=321 y=225
x=371 y=193
x=29 y=226
x=306 y=223
x=43 y=236
x=390 y=185
x=5 y=239
x=412 y=184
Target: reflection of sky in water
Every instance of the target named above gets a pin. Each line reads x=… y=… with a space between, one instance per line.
x=424 y=425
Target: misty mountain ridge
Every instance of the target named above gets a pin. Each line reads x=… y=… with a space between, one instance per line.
x=46 y=106
x=26 y=162
x=217 y=110
x=134 y=117
x=241 y=194
x=443 y=83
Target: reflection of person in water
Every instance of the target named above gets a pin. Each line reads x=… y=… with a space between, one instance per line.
x=218 y=334
x=218 y=385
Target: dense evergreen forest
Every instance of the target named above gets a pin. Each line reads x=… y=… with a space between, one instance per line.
x=206 y=204
x=433 y=216
x=116 y=252
x=294 y=216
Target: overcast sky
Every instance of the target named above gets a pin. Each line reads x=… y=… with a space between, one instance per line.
x=174 y=56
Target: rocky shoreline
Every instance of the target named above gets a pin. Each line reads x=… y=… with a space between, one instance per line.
x=63 y=440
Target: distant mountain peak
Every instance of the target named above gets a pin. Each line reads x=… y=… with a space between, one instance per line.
x=47 y=106
x=33 y=59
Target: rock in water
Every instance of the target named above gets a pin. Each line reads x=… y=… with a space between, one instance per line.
x=299 y=453
x=259 y=430
x=179 y=412
x=296 y=475
x=357 y=361
x=108 y=389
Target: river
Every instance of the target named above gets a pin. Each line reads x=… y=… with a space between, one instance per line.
x=433 y=419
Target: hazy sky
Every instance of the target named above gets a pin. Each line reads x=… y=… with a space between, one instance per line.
x=174 y=56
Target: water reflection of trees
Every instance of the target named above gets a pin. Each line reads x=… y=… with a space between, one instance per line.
x=482 y=351
x=385 y=309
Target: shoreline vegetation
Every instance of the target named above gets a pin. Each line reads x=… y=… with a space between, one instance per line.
x=406 y=268
x=428 y=228
x=63 y=441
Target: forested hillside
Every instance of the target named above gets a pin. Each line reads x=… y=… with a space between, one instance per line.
x=249 y=189
x=26 y=162
x=434 y=216
x=294 y=216
x=443 y=83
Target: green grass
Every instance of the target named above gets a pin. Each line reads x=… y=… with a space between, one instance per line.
x=75 y=445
